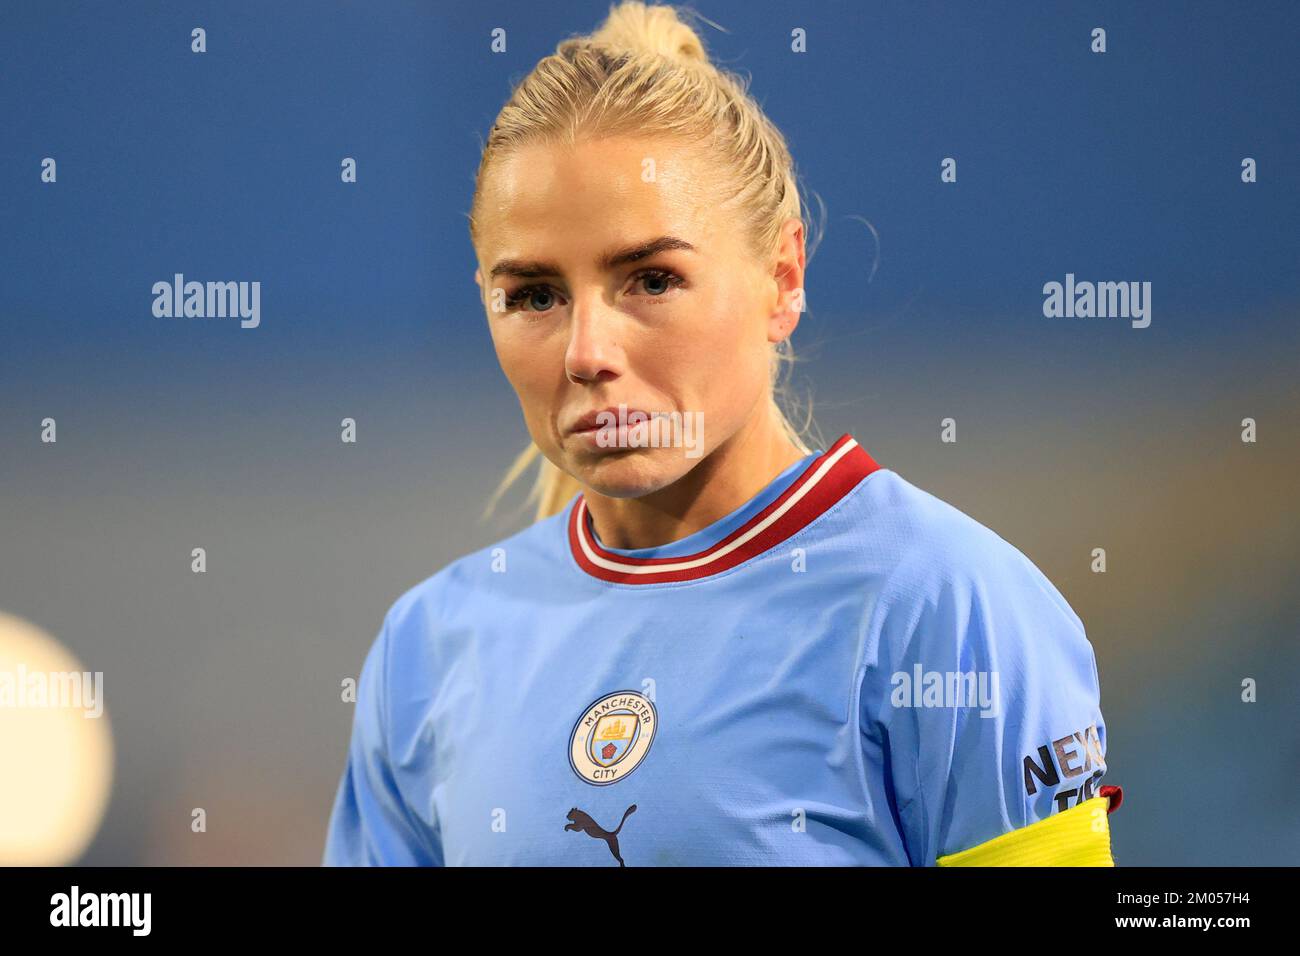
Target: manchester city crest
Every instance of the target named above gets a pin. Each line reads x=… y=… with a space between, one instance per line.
x=612 y=737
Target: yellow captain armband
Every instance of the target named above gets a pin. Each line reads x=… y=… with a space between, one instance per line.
x=1079 y=836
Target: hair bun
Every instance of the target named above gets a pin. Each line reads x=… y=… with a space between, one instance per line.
x=655 y=29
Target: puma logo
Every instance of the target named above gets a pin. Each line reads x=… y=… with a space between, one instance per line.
x=582 y=821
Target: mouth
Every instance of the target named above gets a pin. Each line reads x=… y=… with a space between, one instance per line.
x=613 y=417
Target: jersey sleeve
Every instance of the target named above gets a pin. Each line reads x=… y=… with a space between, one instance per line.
x=371 y=824
x=986 y=706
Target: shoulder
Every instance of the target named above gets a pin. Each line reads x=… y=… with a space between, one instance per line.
x=948 y=574
x=474 y=579
x=422 y=631
x=979 y=677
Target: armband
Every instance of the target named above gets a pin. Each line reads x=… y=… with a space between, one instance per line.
x=1079 y=836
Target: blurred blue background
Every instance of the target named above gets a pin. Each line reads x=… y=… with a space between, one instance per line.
x=223 y=688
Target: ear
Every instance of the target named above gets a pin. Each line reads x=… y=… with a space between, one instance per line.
x=478 y=280
x=788 y=274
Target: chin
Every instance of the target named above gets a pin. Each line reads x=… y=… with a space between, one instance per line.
x=629 y=472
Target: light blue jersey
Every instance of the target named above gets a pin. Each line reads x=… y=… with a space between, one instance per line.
x=845 y=670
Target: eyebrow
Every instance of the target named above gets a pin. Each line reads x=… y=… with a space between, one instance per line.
x=534 y=268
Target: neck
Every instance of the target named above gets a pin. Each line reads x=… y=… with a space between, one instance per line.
x=729 y=476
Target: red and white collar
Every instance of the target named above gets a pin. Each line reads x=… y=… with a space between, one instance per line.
x=825 y=481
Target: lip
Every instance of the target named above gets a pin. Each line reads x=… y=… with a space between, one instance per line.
x=588 y=422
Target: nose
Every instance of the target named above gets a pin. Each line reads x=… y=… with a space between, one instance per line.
x=594 y=353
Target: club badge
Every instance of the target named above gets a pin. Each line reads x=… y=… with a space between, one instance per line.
x=612 y=737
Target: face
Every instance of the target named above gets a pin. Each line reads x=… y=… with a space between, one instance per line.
x=603 y=289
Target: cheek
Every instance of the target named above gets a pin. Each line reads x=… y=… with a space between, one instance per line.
x=525 y=374
x=518 y=355
x=732 y=339
x=718 y=358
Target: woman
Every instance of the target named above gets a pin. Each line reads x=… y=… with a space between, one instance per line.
x=715 y=646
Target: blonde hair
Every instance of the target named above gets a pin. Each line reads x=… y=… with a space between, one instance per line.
x=646 y=73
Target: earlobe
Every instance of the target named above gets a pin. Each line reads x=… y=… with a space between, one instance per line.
x=782 y=324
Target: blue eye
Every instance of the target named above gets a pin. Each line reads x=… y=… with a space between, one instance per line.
x=527 y=293
x=670 y=280
x=658 y=283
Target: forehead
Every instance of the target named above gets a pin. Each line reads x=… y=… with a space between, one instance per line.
x=549 y=198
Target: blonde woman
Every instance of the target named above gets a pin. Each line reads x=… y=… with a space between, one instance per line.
x=715 y=645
